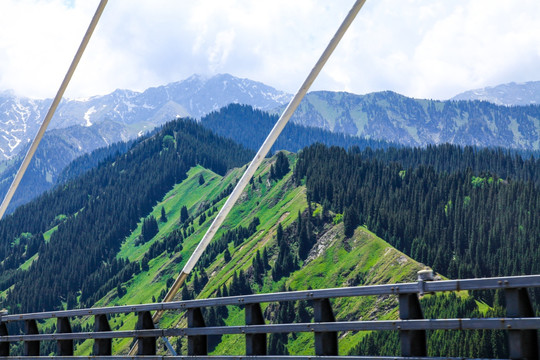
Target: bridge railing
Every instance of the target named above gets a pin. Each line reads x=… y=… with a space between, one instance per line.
x=520 y=322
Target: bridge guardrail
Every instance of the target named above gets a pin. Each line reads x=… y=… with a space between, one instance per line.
x=520 y=322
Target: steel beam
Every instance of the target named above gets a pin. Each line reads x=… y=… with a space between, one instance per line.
x=198 y=344
x=326 y=343
x=102 y=346
x=523 y=344
x=31 y=348
x=413 y=342
x=64 y=347
x=255 y=343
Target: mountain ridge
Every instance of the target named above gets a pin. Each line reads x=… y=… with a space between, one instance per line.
x=138 y=112
x=383 y=115
x=509 y=94
x=396 y=118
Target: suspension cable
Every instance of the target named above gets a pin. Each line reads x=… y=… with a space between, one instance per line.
x=52 y=109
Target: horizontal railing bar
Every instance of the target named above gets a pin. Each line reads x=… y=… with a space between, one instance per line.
x=389 y=289
x=483 y=283
x=424 y=324
x=82 y=312
x=233 y=357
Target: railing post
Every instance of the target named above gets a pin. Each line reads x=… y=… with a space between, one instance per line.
x=326 y=343
x=64 y=347
x=4 y=345
x=523 y=344
x=413 y=342
x=198 y=344
x=102 y=346
x=147 y=345
x=255 y=343
x=31 y=348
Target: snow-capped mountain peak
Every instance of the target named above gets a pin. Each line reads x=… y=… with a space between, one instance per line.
x=195 y=97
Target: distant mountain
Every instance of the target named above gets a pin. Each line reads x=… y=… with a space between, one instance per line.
x=250 y=127
x=58 y=148
x=52 y=163
x=136 y=112
x=506 y=94
x=414 y=122
x=81 y=126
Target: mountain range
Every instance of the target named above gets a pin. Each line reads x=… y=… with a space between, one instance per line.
x=511 y=94
x=84 y=125
x=130 y=113
x=382 y=116
x=416 y=122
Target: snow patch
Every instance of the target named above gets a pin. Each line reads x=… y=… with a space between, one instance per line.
x=87 y=116
x=17 y=142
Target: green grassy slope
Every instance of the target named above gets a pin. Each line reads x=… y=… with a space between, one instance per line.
x=149 y=284
x=333 y=262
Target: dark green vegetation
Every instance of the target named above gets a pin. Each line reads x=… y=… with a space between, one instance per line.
x=417 y=122
x=472 y=344
x=96 y=212
x=120 y=233
x=52 y=164
x=250 y=127
x=463 y=223
x=460 y=217
x=505 y=163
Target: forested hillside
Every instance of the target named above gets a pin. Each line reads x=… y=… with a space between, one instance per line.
x=462 y=222
x=250 y=127
x=93 y=214
x=393 y=117
x=57 y=149
x=120 y=233
x=446 y=207
x=272 y=241
x=242 y=123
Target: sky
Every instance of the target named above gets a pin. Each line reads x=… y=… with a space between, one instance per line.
x=420 y=48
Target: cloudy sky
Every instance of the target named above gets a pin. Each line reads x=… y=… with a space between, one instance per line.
x=420 y=48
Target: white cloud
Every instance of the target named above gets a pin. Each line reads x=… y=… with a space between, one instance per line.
x=422 y=48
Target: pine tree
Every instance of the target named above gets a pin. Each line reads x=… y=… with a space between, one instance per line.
x=185 y=293
x=258 y=267
x=265 y=262
x=144 y=264
x=196 y=284
x=280 y=168
x=350 y=221
x=202 y=219
x=183 y=214
x=227 y=255
x=279 y=234
x=304 y=243
x=149 y=228
x=225 y=291
x=163 y=217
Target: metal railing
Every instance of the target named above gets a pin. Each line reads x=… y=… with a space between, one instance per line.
x=520 y=322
